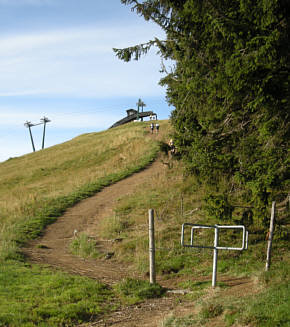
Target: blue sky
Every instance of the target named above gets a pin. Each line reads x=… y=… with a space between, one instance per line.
x=56 y=60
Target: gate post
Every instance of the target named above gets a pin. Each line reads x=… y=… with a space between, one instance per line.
x=215 y=256
x=151 y=248
x=270 y=238
x=216 y=246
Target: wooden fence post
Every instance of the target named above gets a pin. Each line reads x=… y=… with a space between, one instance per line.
x=181 y=206
x=270 y=238
x=151 y=247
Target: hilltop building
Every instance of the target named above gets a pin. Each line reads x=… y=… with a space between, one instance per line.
x=132 y=115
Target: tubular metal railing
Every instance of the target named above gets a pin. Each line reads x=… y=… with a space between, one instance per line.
x=216 y=246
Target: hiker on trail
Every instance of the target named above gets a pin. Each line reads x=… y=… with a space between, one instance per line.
x=157 y=128
x=152 y=127
x=171 y=146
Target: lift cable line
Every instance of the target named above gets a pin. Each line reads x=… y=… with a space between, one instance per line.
x=43 y=121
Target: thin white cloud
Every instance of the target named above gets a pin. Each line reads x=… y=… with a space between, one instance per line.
x=15 y=44
x=77 y=61
x=89 y=121
x=14 y=137
x=22 y=93
x=15 y=140
x=10 y=116
x=13 y=117
x=26 y=2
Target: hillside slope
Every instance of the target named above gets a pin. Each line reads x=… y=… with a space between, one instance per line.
x=53 y=247
x=45 y=178
x=105 y=237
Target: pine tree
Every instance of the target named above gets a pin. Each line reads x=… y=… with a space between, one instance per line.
x=229 y=87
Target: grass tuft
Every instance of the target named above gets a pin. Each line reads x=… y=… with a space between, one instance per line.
x=84 y=246
x=134 y=290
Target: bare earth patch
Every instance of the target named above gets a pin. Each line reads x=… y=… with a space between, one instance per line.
x=53 y=249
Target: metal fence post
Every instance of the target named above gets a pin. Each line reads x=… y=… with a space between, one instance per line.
x=216 y=246
x=152 y=247
x=215 y=256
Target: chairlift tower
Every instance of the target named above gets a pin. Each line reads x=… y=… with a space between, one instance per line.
x=28 y=124
x=44 y=121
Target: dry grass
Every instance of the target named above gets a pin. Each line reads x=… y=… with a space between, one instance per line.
x=170 y=194
x=28 y=182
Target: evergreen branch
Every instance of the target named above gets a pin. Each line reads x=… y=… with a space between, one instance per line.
x=151 y=10
x=216 y=133
x=159 y=11
x=135 y=52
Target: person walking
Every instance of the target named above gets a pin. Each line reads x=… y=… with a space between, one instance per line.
x=171 y=147
x=152 y=127
x=157 y=128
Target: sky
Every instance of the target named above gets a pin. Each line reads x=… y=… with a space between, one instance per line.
x=56 y=61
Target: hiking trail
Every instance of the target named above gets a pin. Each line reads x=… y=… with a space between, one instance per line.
x=52 y=249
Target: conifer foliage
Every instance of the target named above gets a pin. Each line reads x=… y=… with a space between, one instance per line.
x=230 y=87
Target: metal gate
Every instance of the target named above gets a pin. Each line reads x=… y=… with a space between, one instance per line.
x=216 y=246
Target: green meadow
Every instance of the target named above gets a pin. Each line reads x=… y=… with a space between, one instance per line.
x=37 y=188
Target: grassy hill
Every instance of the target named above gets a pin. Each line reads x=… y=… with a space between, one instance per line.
x=43 y=184
x=37 y=188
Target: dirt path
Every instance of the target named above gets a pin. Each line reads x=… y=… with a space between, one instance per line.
x=53 y=249
x=154 y=312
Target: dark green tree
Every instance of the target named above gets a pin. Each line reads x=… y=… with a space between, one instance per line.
x=229 y=87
